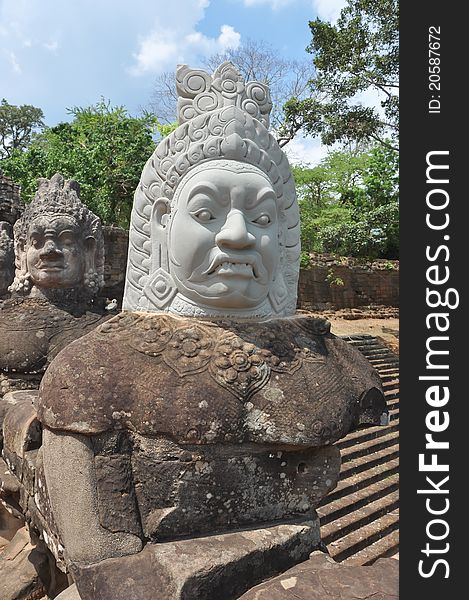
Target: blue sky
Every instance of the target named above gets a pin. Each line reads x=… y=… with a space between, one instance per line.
x=56 y=54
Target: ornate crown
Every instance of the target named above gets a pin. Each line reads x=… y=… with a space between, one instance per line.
x=58 y=196
x=200 y=93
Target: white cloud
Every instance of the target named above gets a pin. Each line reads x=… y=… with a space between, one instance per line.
x=14 y=63
x=51 y=46
x=163 y=47
x=328 y=10
x=305 y=151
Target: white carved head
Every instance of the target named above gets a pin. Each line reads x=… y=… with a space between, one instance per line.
x=215 y=225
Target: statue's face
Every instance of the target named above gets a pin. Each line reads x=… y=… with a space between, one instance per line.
x=55 y=253
x=223 y=238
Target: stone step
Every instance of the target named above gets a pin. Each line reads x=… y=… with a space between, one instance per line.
x=392 y=396
x=387 y=546
x=335 y=509
x=371 y=347
x=368 y=433
x=359 y=519
x=353 y=482
x=377 y=352
x=361 y=538
x=360 y=516
x=383 y=359
x=364 y=463
x=388 y=378
x=366 y=446
x=378 y=362
x=392 y=370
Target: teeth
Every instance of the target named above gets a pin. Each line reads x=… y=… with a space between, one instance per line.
x=233 y=266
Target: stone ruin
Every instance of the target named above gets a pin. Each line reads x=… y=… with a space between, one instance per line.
x=11 y=205
x=59 y=259
x=179 y=450
x=11 y=208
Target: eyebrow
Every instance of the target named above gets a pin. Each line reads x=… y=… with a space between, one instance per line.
x=264 y=194
x=204 y=188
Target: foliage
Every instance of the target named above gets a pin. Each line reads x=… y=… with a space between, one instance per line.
x=376 y=235
x=333 y=280
x=359 y=53
x=349 y=204
x=17 y=125
x=255 y=60
x=103 y=148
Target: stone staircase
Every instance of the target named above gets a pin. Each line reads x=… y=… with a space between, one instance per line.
x=360 y=518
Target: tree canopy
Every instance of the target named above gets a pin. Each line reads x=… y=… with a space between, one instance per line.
x=360 y=53
x=103 y=148
x=349 y=203
x=17 y=125
x=255 y=60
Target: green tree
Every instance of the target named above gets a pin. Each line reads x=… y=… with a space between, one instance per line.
x=17 y=125
x=103 y=148
x=349 y=204
x=357 y=54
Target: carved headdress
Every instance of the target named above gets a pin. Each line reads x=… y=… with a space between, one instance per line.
x=221 y=117
x=53 y=198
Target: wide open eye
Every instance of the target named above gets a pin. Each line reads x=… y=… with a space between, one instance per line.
x=263 y=220
x=203 y=215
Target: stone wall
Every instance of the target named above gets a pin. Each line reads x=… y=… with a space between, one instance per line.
x=335 y=283
x=116 y=242
x=11 y=206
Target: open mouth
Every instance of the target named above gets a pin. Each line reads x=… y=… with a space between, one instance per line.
x=234 y=269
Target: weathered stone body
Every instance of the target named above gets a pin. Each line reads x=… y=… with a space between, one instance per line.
x=32 y=332
x=218 y=426
x=286 y=381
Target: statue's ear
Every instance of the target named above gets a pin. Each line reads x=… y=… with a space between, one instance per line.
x=159 y=219
x=159 y=214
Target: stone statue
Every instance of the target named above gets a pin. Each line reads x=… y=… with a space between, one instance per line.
x=193 y=434
x=215 y=223
x=59 y=258
x=58 y=244
x=7 y=257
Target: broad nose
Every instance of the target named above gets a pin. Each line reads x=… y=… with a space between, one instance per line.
x=234 y=233
x=50 y=248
